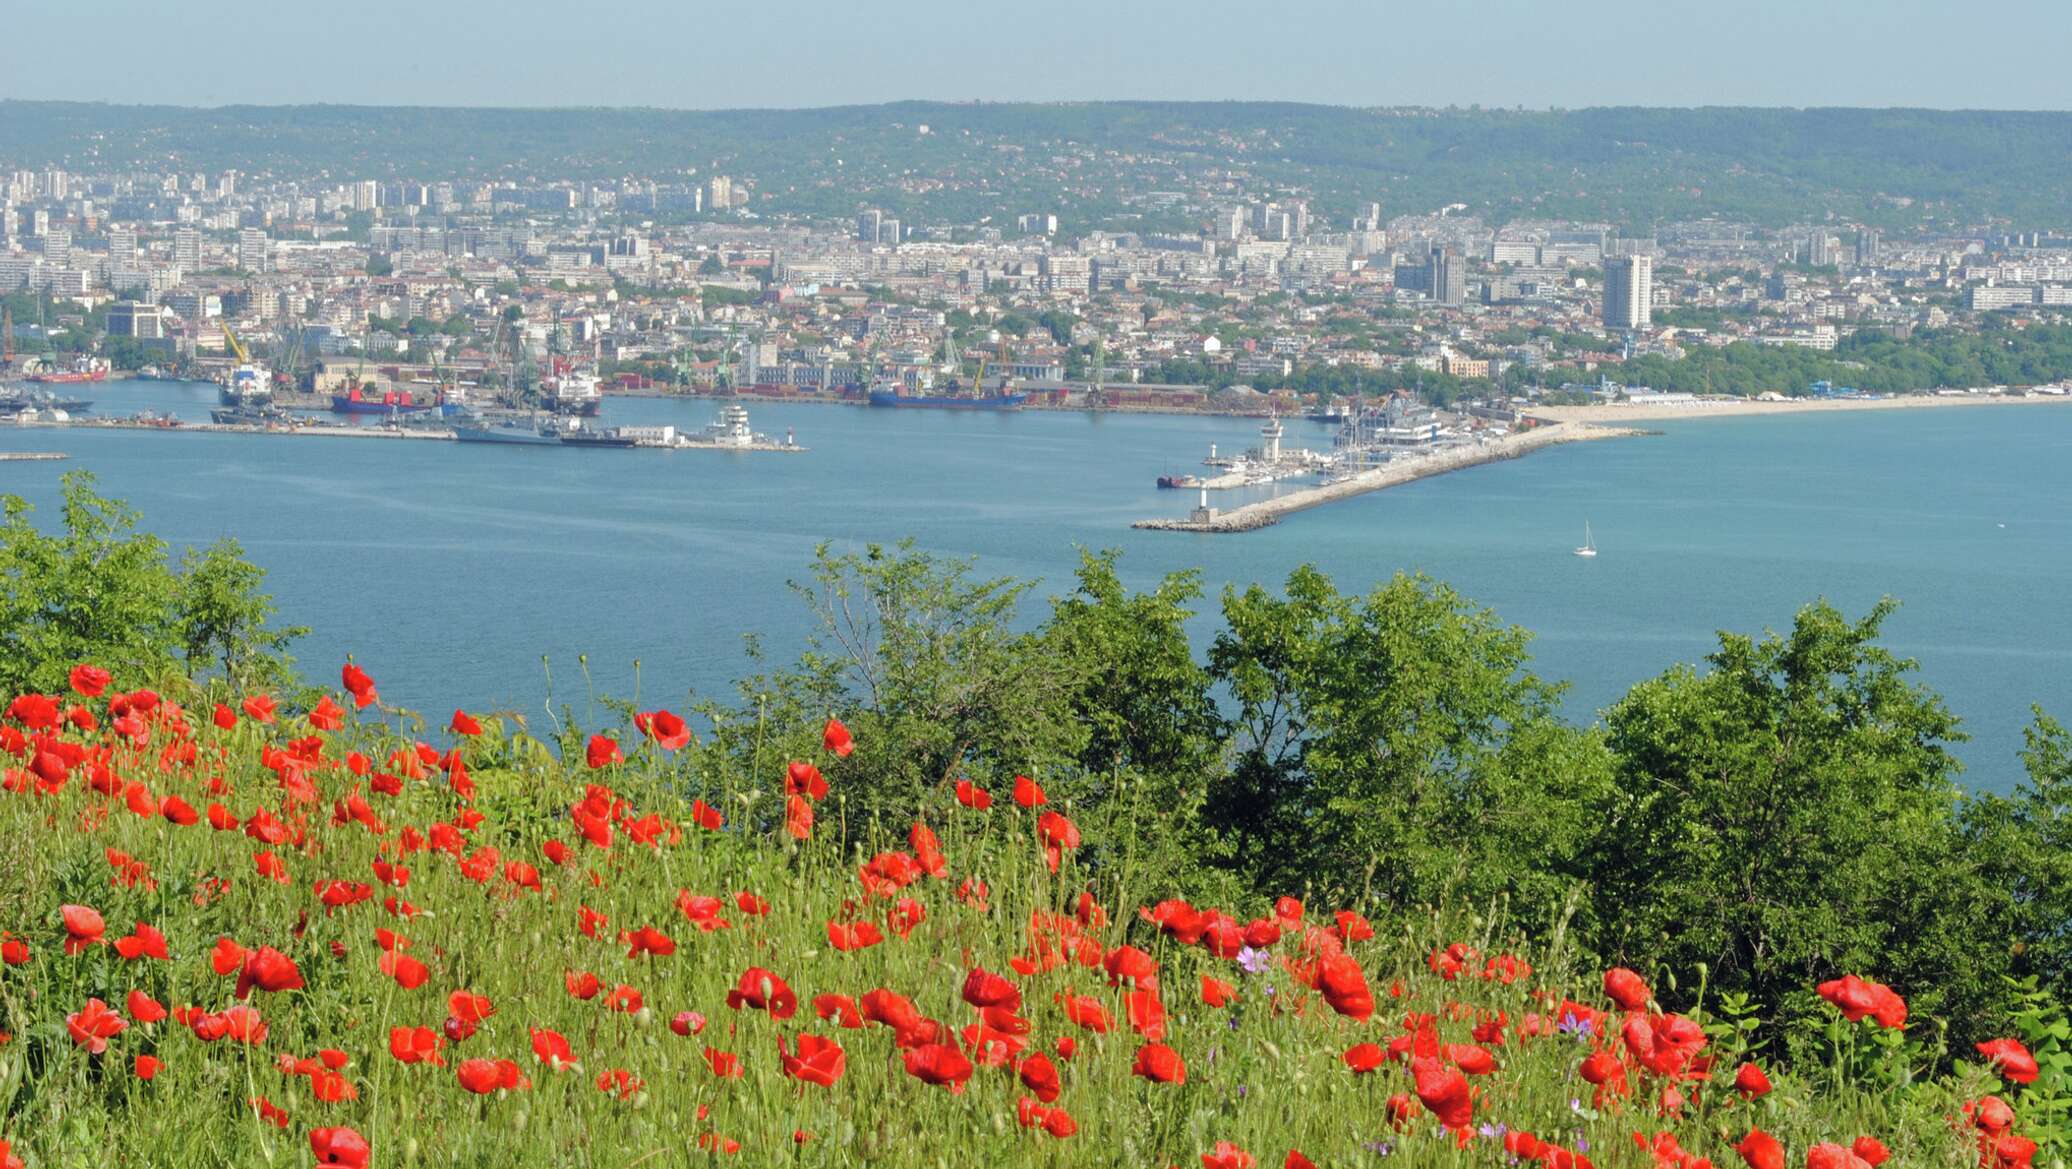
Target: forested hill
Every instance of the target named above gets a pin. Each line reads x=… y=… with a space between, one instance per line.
x=1092 y=161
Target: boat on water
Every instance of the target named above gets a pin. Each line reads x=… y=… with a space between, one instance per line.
x=83 y=369
x=253 y=414
x=1180 y=481
x=356 y=400
x=508 y=431
x=588 y=437
x=17 y=400
x=893 y=394
x=571 y=391
x=1589 y=547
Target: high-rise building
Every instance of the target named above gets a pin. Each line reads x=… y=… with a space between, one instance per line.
x=127 y=318
x=889 y=231
x=39 y=222
x=719 y=193
x=1820 y=250
x=1298 y=220
x=867 y=223
x=1230 y=223
x=1629 y=292
x=122 y=243
x=1369 y=218
x=251 y=250
x=187 y=250
x=57 y=246
x=1868 y=242
x=1449 y=276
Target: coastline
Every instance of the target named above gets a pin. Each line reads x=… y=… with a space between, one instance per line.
x=1265 y=512
x=1750 y=408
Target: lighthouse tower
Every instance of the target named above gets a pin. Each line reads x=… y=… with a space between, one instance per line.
x=1270 y=441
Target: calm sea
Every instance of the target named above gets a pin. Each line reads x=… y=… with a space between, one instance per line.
x=451 y=570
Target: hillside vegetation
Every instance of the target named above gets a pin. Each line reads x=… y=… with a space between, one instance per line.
x=1628 y=165
x=946 y=893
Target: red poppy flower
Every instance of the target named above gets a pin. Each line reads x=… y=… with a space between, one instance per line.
x=144 y=942
x=93 y=1025
x=836 y=739
x=1040 y=1075
x=804 y=779
x=602 y=751
x=83 y=927
x=1159 y=1064
x=724 y=1064
x=1028 y=793
x=1751 y=1082
x=1227 y=1156
x=339 y=1146
x=413 y=1045
x=2011 y=1058
x=1871 y=1151
x=1365 y=1057
x=687 y=1023
x=939 y=1064
x=1761 y=1150
x=668 y=731
x=1832 y=1156
x=147 y=1067
x=818 y=1060
x=972 y=796
x=463 y=723
x=1857 y=998
x=89 y=681
x=259 y=708
x=1445 y=1091
x=857 y=935
x=1217 y=993
x=143 y=1008
x=358 y=684
x=1626 y=988
x=761 y=990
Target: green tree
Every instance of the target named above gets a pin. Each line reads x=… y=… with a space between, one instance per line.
x=101 y=591
x=1791 y=815
x=1396 y=744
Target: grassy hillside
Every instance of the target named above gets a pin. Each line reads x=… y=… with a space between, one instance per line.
x=1632 y=166
x=237 y=931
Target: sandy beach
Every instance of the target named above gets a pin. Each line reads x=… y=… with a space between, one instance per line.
x=1640 y=415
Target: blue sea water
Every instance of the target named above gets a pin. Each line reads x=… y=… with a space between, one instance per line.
x=450 y=570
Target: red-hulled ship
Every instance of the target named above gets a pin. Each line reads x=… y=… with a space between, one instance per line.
x=356 y=401
x=86 y=369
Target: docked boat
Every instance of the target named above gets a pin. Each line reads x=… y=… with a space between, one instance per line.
x=17 y=400
x=508 y=432
x=356 y=400
x=82 y=369
x=893 y=394
x=572 y=392
x=588 y=437
x=1180 y=481
x=255 y=414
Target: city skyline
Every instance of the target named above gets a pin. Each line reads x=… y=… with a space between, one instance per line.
x=648 y=53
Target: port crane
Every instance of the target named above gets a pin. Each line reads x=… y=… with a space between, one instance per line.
x=237 y=347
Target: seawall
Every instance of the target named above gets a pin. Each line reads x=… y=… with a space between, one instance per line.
x=1252 y=516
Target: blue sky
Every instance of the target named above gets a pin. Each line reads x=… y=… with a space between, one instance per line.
x=693 y=54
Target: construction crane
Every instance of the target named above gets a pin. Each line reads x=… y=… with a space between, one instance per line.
x=237 y=347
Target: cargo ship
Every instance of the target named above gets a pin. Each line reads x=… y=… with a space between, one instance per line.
x=356 y=401
x=896 y=395
x=245 y=385
x=570 y=392
x=84 y=369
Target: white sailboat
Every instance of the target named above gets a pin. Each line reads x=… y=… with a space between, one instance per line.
x=1589 y=547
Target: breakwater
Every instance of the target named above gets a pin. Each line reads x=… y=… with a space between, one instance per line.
x=1253 y=516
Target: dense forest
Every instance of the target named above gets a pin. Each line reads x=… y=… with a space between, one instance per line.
x=1634 y=167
